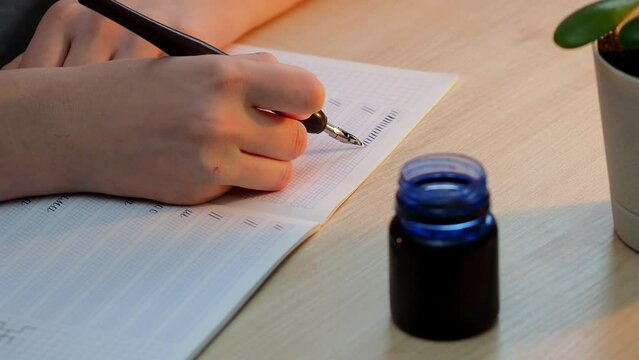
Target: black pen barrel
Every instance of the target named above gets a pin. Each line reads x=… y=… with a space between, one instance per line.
x=167 y=39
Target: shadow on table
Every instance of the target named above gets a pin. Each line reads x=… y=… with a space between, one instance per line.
x=569 y=289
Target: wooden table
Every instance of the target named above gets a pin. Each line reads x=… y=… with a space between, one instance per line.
x=529 y=112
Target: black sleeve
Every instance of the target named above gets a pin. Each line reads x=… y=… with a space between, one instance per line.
x=18 y=21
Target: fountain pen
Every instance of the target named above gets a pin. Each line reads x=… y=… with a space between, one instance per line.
x=177 y=43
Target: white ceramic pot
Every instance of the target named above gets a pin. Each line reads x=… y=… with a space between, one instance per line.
x=619 y=105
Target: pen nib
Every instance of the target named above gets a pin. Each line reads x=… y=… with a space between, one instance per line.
x=352 y=139
x=343 y=136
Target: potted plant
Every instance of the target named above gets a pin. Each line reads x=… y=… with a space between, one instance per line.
x=613 y=28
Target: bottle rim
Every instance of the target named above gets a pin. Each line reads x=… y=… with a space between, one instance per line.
x=442 y=188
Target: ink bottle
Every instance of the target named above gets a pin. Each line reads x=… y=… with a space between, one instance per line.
x=444 y=277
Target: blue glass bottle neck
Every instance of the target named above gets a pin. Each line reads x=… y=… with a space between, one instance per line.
x=444 y=196
x=448 y=234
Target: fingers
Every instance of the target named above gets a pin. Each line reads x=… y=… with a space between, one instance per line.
x=263 y=83
x=273 y=136
x=260 y=173
x=48 y=47
x=70 y=35
x=103 y=40
x=283 y=88
x=92 y=51
x=87 y=51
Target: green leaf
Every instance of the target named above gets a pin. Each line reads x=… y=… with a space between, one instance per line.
x=629 y=34
x=591 y=22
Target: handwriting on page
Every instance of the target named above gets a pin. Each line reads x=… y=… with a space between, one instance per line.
x=9 y=333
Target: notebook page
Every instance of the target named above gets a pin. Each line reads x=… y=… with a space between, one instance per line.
x=103 y=278
x=379 y=105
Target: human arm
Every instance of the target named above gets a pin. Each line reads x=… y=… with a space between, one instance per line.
x=179 y=130
x=70 y=34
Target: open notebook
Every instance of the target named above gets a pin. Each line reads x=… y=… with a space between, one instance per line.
x=90 y=277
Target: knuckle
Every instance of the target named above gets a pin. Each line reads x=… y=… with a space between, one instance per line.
x=206 y=119
x=227 y=76
x=210 y=125
x=61 y=11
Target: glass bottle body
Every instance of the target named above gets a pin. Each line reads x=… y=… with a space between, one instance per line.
x=443 y=250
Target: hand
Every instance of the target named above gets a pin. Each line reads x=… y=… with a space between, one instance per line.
x=70 y=34
x=179 y=130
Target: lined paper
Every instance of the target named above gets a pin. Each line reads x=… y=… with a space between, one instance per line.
x=99 y=277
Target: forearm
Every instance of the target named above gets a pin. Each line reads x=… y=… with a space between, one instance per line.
x=235 y=18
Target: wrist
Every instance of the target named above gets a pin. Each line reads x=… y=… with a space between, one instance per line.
x=33 y=144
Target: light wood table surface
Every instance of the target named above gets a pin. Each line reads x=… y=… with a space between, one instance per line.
x=529 y=112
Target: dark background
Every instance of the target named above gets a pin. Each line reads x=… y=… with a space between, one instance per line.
x=18 y=21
